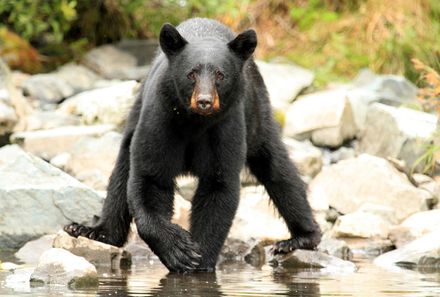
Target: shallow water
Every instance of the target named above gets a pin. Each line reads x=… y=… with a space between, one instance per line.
x=150 y=278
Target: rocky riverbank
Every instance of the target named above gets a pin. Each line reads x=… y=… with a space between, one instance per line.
x=356 y=145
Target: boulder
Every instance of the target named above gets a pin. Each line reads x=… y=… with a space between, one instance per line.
x=60 y=267
x=416 y=226
x=329 y=125
x=257 y=218
x=349 y=184
x=107 y=105
x=284 y=81
x=306 y=157
x=44 y=120
x=37 y=198
x=368 y=247
x=361 y=224
x=313 y=259
x=400 y=133
x=186 y=186
x=32 y=250
x=53 y=87
x=49 y=143
x=144 y=50
x=109 y=61
x=91 y=159
x=422 y=252
x=335 y=247
x=93 y=251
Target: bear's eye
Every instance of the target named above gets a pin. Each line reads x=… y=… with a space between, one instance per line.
x=219 y=75
x=191 y=75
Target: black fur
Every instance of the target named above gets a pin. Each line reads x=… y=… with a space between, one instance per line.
x=165 y=138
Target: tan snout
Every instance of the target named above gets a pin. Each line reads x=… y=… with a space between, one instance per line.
x=205 y=104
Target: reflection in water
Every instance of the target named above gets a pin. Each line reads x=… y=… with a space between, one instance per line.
x=297 y=288
x=197 y=285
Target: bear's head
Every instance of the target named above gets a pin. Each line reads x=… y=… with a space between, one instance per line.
x=208 y=72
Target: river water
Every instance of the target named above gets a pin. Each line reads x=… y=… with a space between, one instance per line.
x=150 y=278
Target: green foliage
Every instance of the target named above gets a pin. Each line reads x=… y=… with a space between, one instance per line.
x=314 y=10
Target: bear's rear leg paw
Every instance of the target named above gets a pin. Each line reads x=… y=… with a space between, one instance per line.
x=95 y=233
x=306 y=242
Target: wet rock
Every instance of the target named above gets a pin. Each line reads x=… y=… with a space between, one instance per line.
x=257 y=218
x=367 y=247
x=93 y=251
x=335 y=247
x=91 y=159
x=284 y=81
x=60 y=267
x=400 y=133
x=109 y=61
x=313 y=259
x=43 y=120
x=306 y=157
x=329 y=125
x=53 y=87
x=260 y=253
x=37 y=198
x=351 y=183
x=107 y=105
x=416 y=226
x=420 y=252
x=32 y=250
x=49 y=143
x=234 y=250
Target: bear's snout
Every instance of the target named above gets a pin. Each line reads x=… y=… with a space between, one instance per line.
x=204 y=103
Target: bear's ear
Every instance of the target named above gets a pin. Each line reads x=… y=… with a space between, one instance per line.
x=244 y=44
x=170 y=40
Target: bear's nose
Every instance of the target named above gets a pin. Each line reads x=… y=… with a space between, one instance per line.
x=204 y=102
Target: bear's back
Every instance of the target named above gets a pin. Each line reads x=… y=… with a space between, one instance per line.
x=200 y=28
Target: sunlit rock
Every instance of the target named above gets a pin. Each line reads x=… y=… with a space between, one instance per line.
x=32 y=250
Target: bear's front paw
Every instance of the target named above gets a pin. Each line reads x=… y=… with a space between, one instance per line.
x=306 y=242
x=179 y=253
x=95 y=233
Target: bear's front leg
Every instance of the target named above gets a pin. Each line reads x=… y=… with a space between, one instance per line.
x=151 y=202
x=213 y=208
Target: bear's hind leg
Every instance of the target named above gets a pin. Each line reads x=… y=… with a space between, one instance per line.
x=272 y=166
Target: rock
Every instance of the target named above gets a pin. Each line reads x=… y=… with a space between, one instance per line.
x=416 y=226
x=234 y=250
x=8 y=266
x=329 y=125
x=420 y=252
x=186 y=187
x=361 y=224
x=30 y=253
x=334 y=156
x=284 y=81
x=43 y=120
x=60 y=267
x=257 y=218
x=5 y=80
x=313 y=259
x=107 y=105
x=109 y=61
x=400 y=133
x=91 y=159
x=182 y=210
x=37 y=198
x=368 y=179
x=260 y=253
x=53 y=87
x=8 y=117
x=18 y=280
x=144 y=50
x=367 y=247
x=49 y=143
x=93 y=251
x=335 y=247
x=306 y=157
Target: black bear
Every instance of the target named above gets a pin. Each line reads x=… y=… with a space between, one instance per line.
x=203 y=110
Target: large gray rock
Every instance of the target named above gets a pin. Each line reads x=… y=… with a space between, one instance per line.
x=107 y=105
x=284 y=81
x=400 y=133
x=361 y=224
x=49 y=143
x=324 y=117
x=305 y=156
x=351 y=183
x=30 y=253
x=60 y=267
x=416 y=226
x=37 y=198
x=65 y=82
x=110 y=62
x=420 y=252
